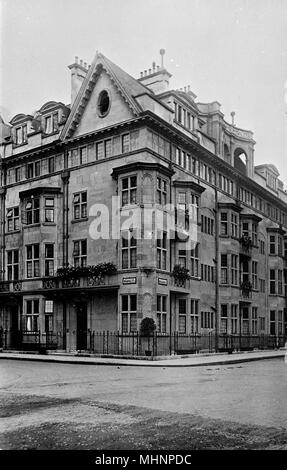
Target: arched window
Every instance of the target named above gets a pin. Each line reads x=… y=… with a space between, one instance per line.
x=240 y=160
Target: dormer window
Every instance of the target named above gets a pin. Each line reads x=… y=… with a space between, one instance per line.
x=21 y=134
x=51 y=123
x=184 y=117
x=271 y=181
x=48 y=124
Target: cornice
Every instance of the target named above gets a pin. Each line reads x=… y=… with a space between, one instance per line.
x=189 y=184
x=141 y=166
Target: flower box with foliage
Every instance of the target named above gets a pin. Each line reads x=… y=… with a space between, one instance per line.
x=180 y=273
x=94 y=271
x=246 y=242
x=246 y=287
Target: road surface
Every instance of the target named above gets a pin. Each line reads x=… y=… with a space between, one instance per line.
x=66 y=406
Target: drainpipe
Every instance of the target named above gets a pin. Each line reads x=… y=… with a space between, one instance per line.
x=2 y=222
x=65 y=226
x=170 y=255
x=217 y=309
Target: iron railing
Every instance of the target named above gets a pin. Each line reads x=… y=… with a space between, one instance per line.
x=133 y=344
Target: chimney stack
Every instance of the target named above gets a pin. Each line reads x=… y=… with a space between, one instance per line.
x=157 y=78
x=78 y=75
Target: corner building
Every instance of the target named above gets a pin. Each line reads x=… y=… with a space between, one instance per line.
x=150 y=146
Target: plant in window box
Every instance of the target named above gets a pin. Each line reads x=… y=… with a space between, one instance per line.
x=246 y=241
x=180 y=274
x=246 y=287
x=147 y=329
x=93 y=272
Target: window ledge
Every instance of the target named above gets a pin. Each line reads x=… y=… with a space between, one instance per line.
x=11 y=232
x=76 y=221
x=53 y=224
x=31 y=225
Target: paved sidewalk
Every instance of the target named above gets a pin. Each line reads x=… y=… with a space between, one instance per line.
x=168 y=361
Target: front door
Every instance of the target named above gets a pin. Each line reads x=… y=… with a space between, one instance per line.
x=82 y=327
x=15 y=334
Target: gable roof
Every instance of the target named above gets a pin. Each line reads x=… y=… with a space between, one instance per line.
x=128 y=87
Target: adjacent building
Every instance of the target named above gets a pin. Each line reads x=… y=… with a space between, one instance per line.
x=128 y=145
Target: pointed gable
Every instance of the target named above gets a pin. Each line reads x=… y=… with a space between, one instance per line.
x=121 y=89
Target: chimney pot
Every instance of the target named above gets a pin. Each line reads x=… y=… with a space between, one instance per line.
x=158 y=67
x=141 y=74
x=76 y=59
x=81 y=62
x=145 y=72
x=85 y=65
x=153 y=65
x=149 y=71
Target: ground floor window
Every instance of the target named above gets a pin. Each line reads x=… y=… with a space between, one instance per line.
x=161 y=313
x=31 y=317
x=49 y=310
x=234 y=319
x=182 y=315
x=129 y=313
x=223 y=318
x=273 y=322
x=182 y=324
x=254 y=321
x=207 y=320
x=194 y=312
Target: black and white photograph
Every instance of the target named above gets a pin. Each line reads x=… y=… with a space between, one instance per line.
x=143 y=231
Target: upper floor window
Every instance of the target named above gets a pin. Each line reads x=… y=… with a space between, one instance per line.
x=262 y=247
x=48 y=125
x=13 y=265
x=18 y=174
x=272 y=244
x=51 y=123
x=13 y=219
x=272 y=281
x=125 y=143
x=161 y=194
x=224 y=223
x=32 y=210
x=33 y=260
x=234 y=225
x=49 y=259
x=129 y=190
x=129 y=250
x=80 y=253
x=254 y=233
x=49 y=209
x=224 y=269
x=21 y=134
x=194 y=203
x=33 y=169
x=161 y=250
x=51 y=165
x=83 y=155
x=271 y=181
x=194 y=260
x=80 y=205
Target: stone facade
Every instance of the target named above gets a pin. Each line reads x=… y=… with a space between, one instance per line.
x=134 y=144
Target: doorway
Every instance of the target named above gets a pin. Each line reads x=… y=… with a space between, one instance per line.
x=15 y=334
x=82 y=327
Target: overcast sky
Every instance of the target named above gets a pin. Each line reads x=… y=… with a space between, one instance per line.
x=232 y=51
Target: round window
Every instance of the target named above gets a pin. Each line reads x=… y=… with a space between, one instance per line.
x=103 y=103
